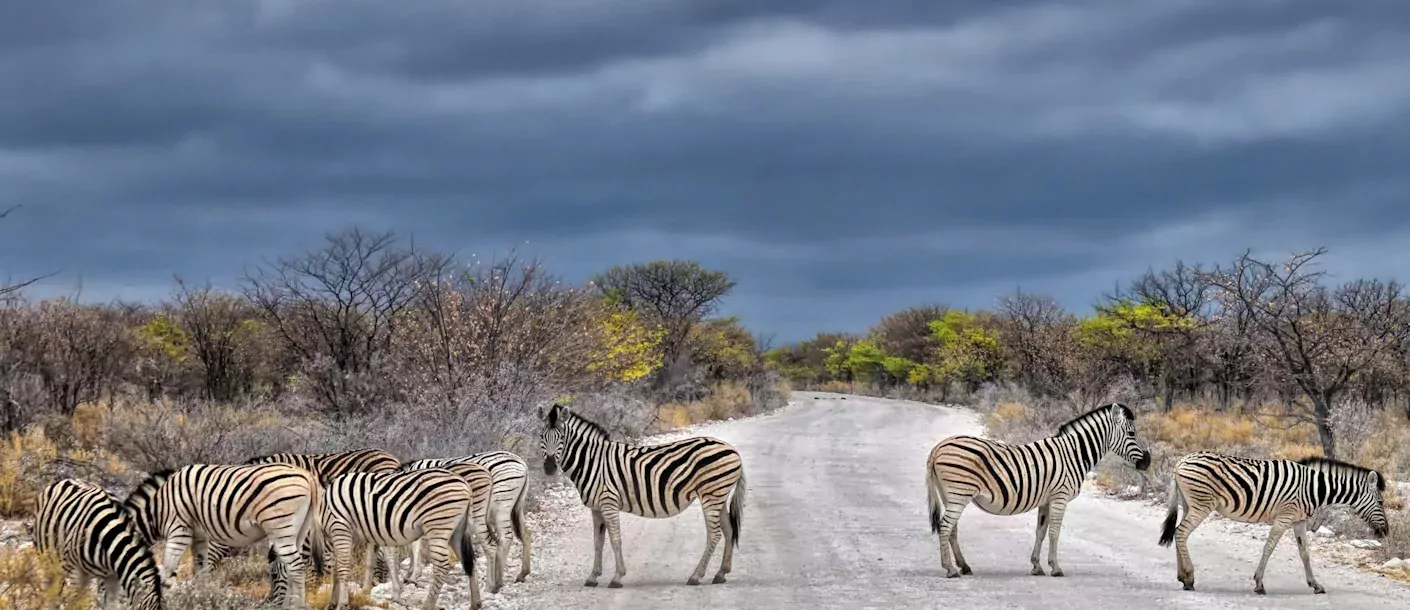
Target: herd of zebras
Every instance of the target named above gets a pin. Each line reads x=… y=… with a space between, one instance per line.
x=310 y=505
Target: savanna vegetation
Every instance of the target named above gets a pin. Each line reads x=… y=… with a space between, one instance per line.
x=359 y=341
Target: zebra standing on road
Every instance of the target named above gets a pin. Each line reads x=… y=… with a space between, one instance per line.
x=397 y=509
x=325 y=467
x=1281 y=493
x=656 y=481
x=95 y=537
x=1006 y=479
x=510 y=475
x=233 y=506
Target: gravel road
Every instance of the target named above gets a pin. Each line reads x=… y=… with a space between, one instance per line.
x=836 y=518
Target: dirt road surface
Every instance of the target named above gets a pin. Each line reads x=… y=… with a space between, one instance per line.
x=836 y=518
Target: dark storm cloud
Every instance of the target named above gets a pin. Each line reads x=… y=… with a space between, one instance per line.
x=871 y=154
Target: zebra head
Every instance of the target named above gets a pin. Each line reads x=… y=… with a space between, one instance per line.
x=140 y=505
x=551 y=440
x=1122 y=440
x=1360 y=488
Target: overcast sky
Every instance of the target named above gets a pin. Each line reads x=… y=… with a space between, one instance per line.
x=842 y=159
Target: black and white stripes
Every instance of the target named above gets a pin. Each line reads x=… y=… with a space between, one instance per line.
x=1281 y=493
x=234 y=506
x=658 y=481
x=396 y=509
x=511 y=478
x=95 y=538
x=1006 y=479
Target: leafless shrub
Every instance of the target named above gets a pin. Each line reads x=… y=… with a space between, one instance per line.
x=165 y=435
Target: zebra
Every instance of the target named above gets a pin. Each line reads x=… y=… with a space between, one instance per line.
x=510 y=475
x=396 y=509
x=95 y=537
x=325 y=467
x=233 y=506
x=1008 y=479
x=656 y=481
x=1281 y=493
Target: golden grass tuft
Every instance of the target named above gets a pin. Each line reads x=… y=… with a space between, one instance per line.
x=36 y=581
x=23 y=458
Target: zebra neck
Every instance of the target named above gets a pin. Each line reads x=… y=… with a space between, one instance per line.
x=1087 y=450
x=1328 y=490
x=587 y=453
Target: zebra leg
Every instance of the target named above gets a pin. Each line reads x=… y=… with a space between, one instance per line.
x=287 y=548
x=1055 y=511
x=340 y=542
x=440 y=568
x=200 y=557
x=955 y=549
x=614 y=531
x=1300 y=531
x=176 y=544
x=1274 y=534
x=1185 y=571
x=947 y=525
x=726 y=562
x=712 y=511
x=599 y=536
x=111 y=586
x=523 y=534
x=1038 y=539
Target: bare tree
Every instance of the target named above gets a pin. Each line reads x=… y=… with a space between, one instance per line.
x=1180 y=296
x=907 y=333
x=9 y=291
x=1036 y=333
x=215 y=325
x=1318 y=339
x=335 y=308
x=676 y=294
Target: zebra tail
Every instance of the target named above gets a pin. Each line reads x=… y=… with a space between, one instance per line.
x=736 y=509
x=1172 y=513
x=315 y=531
x=461 y=538
x=492 y=521
x=516 y=513
x=934 y=496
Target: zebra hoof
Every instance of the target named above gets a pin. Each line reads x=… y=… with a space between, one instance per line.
x=614 y=585
x=952 y=575
x=719 y=578
x=1189 y=586
x=965 y=570
x=692 y=581
x=1057 y=573
x=1037 y=571
x=1259 y=590
x=1318 y=590
x=590 y=583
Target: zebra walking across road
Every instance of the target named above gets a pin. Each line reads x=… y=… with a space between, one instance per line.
x=325 y=467
x=233 y=506
x=1281 y=493
x=397 y=509
x=510 y=478
x=656 y=481
x=94 y=537
x=1006 y=479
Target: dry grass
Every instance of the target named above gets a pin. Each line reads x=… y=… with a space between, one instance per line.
x=724 y=401
x=35 y=581
x=23 y=460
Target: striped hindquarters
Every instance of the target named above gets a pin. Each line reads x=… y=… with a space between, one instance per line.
x=1004 y=479
x=509 y=473
x=232 y=505
x=662 y=480
x=93 y=534
x=392 y=508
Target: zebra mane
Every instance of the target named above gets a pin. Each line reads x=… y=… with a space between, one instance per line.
x=1094 y=413
x=589 y=424
x=149 y=485
x=1331 y=465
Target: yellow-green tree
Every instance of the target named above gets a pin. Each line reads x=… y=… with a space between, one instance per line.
x=969 y=351
x=627 y=348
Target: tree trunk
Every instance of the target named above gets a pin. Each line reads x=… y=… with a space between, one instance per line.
x=1321 y=415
